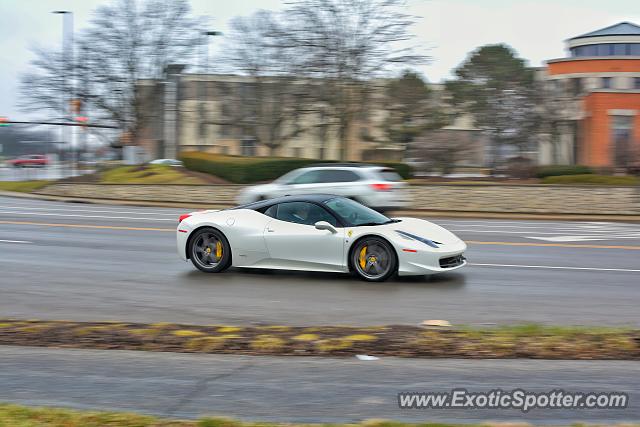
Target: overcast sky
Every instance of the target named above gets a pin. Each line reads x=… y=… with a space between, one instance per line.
x=450 y=29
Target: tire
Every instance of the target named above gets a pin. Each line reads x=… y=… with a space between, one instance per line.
x=209 y=250
x=373 y=259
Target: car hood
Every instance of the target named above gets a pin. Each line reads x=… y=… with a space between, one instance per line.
x=424 y=229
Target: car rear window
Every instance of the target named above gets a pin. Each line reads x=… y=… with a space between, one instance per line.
x=390 y=175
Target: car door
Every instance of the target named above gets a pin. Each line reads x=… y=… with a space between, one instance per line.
x=294 y=243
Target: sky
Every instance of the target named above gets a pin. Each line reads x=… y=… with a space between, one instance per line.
x=447 y=29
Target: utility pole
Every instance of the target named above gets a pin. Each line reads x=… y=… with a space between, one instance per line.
x=203 y=90
x=67 y=59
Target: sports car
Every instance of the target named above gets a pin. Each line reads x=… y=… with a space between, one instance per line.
x=317 y=233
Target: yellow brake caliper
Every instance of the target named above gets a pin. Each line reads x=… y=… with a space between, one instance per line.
x=363 y=257
x=218 y=249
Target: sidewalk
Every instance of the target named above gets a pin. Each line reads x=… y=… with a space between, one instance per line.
x=287 y=389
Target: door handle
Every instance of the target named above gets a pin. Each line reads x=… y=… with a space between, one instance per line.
x=270 y=230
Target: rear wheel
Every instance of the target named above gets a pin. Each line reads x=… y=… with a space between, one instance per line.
x=209 y=251
x=374 y=259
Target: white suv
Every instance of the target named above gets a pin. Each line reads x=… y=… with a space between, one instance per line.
x=378 y=187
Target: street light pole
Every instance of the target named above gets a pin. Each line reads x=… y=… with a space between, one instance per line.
x=67 y=58
x=204 y=69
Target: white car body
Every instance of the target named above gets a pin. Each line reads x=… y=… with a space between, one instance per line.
x=166 y=162
x=372 y=186
x=260 y=241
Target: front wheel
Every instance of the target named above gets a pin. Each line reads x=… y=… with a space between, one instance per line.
x=374 y=259
x=209 y=251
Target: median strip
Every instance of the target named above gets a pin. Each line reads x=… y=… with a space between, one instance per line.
x=522 y=341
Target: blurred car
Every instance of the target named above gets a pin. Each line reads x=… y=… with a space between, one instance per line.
x=32 y=160
x=167 y=162
x=377 y=187
x=317 y=232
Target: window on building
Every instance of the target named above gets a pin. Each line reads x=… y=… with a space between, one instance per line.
x=576 y=86
x=634 y=49
x=248 y=147
x=226 y=131
x=621 y=131
x=606 y=82
x=636 y=83
x=620 y=48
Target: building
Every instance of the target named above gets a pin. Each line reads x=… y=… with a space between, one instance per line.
x=217 y=113
x=595 y=96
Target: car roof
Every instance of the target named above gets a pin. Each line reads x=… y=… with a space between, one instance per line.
x=313 y=198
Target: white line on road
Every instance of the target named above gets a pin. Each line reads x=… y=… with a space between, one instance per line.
x=14 y=241
x=86 y=216
x=73 y=209
x=553 y=267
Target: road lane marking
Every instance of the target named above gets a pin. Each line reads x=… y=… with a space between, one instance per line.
x=173 y=230
x=85 y=216
x=14 y=241
x=79 y=210
x=105 y=227
x=554 y=267
x=555 y=245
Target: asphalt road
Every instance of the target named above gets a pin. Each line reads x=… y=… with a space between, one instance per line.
x=95 y=262
x=300 y=389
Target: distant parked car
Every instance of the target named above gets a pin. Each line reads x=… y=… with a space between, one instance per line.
x=167 y=162
x=377 y=187
x=33 y=160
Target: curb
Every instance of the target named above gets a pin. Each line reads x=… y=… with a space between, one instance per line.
x=413 y=212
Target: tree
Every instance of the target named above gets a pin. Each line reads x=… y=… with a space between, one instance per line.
x=273 y=103
x=412 y=109
x=440 y=150
x=128 y=40
x=342 y=45
x=498 y=90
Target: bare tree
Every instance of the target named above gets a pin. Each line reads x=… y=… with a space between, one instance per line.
x=440 y=150
x=273 y=102
x=127 y=40
x=343 y=45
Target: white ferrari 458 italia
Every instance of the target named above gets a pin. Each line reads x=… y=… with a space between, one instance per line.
x=317 y=233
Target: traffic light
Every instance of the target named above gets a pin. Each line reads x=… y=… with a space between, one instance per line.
x=4 y=122
x=83 y=120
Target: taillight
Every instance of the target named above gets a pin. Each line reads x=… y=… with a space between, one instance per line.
x=381 y=186
x=183 y=217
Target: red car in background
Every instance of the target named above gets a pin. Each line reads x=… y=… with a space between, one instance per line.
x=33 y=160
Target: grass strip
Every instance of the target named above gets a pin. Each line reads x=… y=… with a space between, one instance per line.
x=521 y=341
x=22 y=416
x=22 y=186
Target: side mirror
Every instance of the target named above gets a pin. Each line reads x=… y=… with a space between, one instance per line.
x=324 y=225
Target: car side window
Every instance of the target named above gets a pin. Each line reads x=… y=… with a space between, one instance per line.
x=338 y=175
x=310 y=177
x=304 y=213
x=271 y=211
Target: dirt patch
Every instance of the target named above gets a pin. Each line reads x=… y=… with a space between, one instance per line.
x=534 y=342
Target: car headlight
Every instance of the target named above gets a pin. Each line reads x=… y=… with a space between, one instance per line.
x=410 y=236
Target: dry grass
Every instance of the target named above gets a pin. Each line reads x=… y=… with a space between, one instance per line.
x=519 y=341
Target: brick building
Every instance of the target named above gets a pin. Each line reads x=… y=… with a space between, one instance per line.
x=597 y=88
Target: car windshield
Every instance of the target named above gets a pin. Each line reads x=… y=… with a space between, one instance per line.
x=354 y=214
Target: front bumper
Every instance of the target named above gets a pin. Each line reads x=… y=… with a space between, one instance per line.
x=431 y=261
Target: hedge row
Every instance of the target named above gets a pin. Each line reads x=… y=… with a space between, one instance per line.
x=247 y=170
x=558 y=170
